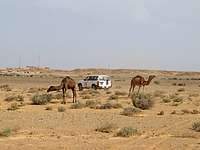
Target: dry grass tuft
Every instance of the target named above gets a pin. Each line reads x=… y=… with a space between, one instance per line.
x=77 y=105
x=106 y=128
x=6 y=132
x=61 y=109
x=130 y=111
x=120 y=93
x=91 y=104
x=127 y=132
x=196 y=126
x=14 y=98
x=5 y=87
x=13 y=106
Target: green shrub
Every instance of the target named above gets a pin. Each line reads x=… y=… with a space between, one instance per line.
x=142 y=101
x=42 y=99
x=127 y=132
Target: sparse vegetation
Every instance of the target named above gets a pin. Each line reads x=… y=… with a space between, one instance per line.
x=108 y=92
x=106 y=128
x=58 y=96
x=110 y=105
x=127 y=132
x=13 y=106
x=158 y=93
x=49 y=108
x=181 y=84
x=77 y=105
x=181 y=90
x=142 y=101
x=5 y=87
x=193 y=95
x=42 y=99
x=86 y=97
x=113 y=97
x=166 y=99
x=91 y=103
x=6 y=132
x=14 y=98
x=120 y=93
x=196 y=126
x=161 y=113
x=130 y=111
x=61 y=109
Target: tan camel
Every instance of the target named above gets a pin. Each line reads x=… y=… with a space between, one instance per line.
x=139 y=81
x=66 y=83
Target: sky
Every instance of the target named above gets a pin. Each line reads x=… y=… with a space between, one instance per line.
x=70 y=34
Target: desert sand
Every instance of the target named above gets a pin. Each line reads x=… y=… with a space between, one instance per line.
x=34 y=127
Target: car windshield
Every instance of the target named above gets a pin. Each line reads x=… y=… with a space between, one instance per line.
x=104 y=78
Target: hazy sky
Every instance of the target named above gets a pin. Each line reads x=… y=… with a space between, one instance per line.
x=146 y=34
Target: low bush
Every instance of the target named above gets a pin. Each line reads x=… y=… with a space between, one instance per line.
x=196 y=126
x=127 y=132
x=106 y=128
x=61 y=109
x=14 y=98
x=13 y=106
x=42 y=99
x=142 y=101
x=6 y=132
x=130 y=111
x=77 y=105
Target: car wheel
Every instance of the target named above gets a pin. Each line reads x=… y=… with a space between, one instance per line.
x=94 y=87
x=80 y=87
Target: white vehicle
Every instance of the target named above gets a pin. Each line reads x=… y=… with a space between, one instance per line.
x=95 y=82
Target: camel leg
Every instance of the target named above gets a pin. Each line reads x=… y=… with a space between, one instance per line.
x=74 y=95
x=143 y=89
x=138 y=90
x=64 y=91
x=133 y=89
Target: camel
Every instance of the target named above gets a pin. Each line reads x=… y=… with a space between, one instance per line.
x=66 y=83
x=140 y=81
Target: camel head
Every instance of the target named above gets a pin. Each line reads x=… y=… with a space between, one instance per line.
x=149 y=79
x=152 y=76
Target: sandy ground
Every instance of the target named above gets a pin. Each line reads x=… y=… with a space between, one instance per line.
x=35 y=128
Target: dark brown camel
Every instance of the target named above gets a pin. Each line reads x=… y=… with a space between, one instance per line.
x=139 y=81
x=66 y=83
